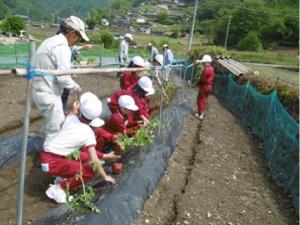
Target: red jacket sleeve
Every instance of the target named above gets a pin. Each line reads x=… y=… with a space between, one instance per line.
x=116 y=124
x=128 y=79
x=207 y=77
x=103 y=137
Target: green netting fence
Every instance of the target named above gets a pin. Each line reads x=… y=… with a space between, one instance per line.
x=271 y=123
x=14 y=55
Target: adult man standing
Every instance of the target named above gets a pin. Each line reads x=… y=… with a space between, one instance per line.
x=168 y=59
x=205 y=84
x=123 y=49
x=55 y=53
x=154 y=52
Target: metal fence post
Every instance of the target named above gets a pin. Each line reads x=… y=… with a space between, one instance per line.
x=101 y=55
x=161 y=104
x=27 y=108
x=16 y=53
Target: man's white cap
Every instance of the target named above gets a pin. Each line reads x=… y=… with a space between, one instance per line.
x=146 y=84
x=128 y=35
x=150 y=44
x=97 y=122
x=138 y=61
x=127 y=102
x=90 y=106
x=206 y=58
x=159 y=59
x=147 y=65
x=165 y=45
x=78 y=25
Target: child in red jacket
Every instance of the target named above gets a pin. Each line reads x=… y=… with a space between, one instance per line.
x=116 y=124
x=130 y=78
x=139 y=93
x=205 y=84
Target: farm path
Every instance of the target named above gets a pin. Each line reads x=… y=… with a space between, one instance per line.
x=216 y=176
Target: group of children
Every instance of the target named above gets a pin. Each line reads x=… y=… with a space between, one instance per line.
x=95 y=139
x=82 y=131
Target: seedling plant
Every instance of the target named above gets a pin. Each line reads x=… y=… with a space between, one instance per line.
x=144 y=136
x=82 y=202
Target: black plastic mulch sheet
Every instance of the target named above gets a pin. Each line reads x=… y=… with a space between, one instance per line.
x=142 y=171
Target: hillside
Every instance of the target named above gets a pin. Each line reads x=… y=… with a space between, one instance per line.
x=47 y=9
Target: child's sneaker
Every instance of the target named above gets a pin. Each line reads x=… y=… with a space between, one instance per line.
x=199 y=116
x=56 y=193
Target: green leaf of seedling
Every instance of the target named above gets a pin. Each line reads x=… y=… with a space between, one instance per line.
x=74 y=155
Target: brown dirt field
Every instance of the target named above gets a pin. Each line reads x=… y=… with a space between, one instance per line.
x=36 y=182
x=217 y=176
x=12 y=92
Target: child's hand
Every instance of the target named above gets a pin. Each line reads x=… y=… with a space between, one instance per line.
x=111 y=156
x=76 y=108
x=108 y=178
x=120 y=146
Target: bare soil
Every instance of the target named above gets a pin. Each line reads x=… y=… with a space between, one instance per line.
x=36 y=182
x=12 y=92
x=216 y=176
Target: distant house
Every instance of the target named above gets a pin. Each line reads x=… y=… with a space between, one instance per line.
x=26 y=19
x=141 y=20
x=162 y=8
x=179 y=15
x=104 y=22
x=54 y=25
x=158 y=33
x=167 y=1
x=145 y=29
x=131 y=29
x=121 y=22
x=38 y=25
x=179 y=3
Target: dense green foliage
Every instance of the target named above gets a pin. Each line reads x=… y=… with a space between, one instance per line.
x=49 y=9
x=275 y=22
x=250 y=42
x=107 y=39
x=13 y=24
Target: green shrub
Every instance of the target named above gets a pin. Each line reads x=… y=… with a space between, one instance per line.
x=197 y=53
x=251 y=42
x=175 y=34
x=13 y=24
x=107 y=39
x=91 y=22
x=95 y=38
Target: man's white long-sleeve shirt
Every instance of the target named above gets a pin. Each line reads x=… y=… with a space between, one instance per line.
x=53 y=53
x=123 y=51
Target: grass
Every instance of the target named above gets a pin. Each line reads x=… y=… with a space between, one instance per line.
x=178 y=46
x=291 y=76
x=279 y=57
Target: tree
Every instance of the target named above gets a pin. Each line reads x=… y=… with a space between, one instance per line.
x=3 y=10
x=244 y=19
x=121 y=7
x=13 y=24
x=91 y=22
x=251 y=42
x=107 y=39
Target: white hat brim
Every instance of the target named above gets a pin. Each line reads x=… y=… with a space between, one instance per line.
x=133 y=107
x=84 y=36
x=150 y=91
x=97 y=122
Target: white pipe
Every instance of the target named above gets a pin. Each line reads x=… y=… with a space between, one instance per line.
x=23 y=72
